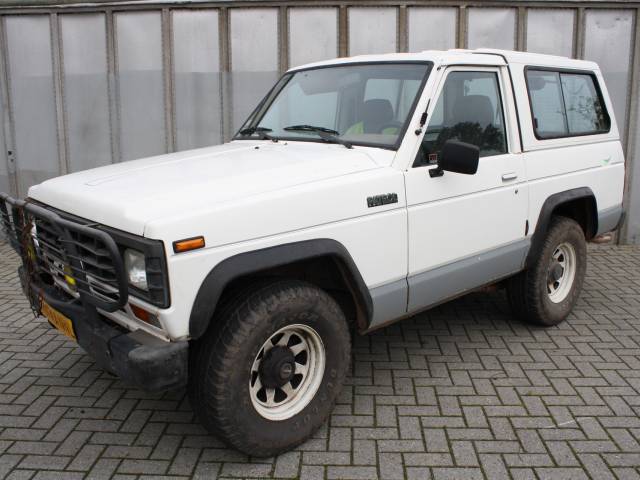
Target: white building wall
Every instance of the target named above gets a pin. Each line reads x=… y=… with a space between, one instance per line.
x=92 y=84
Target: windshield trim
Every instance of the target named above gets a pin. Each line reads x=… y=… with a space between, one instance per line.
x=282 y=82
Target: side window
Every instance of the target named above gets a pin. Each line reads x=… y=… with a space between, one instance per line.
x=565 y=104
x=469 y=109
x=546 y=103
x=585 y=111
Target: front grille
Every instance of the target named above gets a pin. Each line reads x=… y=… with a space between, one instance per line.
x=97 y=269
x=81 y=260
x=157 y=292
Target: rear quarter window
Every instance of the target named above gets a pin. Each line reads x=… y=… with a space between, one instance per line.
x=565 y=103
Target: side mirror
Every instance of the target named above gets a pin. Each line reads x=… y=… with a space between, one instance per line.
x=457 y=157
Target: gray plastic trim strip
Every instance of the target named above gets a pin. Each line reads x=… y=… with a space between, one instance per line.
x=609 y=219
x=453 y=279
x=389 y=301
x=399 y=298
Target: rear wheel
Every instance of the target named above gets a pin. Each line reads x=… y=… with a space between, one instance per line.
x=267 y=377
x=547 y=291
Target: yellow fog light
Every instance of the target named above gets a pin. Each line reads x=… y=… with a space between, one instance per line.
x=69 y=279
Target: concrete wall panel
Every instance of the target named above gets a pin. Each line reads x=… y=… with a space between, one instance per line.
x=140 y=84
x=32 y=98
x=432 y=28
x=550 y=31
x=85 y=90
x=608 y=41
x=197 y=78
x=372 y=30
x=313 y=35
x=491 y=28
x=97 y=83
x=254 y=58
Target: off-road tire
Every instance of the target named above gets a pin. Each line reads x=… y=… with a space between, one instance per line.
x=528 y=292
x=221 y=363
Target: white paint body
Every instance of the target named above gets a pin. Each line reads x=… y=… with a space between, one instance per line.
x=250 y=194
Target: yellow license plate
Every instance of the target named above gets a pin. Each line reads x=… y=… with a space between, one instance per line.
x=58 y=320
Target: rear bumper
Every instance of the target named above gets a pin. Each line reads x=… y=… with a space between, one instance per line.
x=137 y=357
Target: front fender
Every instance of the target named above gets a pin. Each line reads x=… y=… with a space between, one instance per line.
x=257 y=261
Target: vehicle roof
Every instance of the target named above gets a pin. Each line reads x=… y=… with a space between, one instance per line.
x=482 y=56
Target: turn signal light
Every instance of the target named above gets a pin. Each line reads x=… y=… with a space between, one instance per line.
x=145 y=316
x=140 y=313
x=188 y=244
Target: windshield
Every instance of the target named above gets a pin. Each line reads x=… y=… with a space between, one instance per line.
x=360 y=104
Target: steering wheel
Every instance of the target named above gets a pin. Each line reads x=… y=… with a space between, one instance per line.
x=394 y=124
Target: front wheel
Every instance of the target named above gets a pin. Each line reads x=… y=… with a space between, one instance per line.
x=268 y=376
x=547 y=291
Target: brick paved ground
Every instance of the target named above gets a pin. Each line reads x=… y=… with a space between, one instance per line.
x=461 y=392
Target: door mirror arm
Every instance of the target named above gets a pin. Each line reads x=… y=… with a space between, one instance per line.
x=436 y=172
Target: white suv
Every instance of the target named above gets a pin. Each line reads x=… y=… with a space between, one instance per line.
x=360 y=191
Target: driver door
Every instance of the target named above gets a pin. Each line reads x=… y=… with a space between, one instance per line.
x=466 y=230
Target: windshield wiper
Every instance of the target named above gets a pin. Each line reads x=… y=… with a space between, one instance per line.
x=310 y=128
x=326 y=134
x=260 y=131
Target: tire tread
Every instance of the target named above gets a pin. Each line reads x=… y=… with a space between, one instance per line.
x=523 y=293
x=237 y=318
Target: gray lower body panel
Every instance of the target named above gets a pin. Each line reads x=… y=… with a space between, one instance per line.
x=397 y=299
x=609 y=219
x=389 y=301
x=453 y=279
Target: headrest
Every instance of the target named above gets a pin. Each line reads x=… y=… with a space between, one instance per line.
x=376 y=113
x=474 y=109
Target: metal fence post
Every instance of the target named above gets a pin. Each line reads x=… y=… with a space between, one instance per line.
x=7 y=122
x=225 y=73
x=283 y=39
x=630 y=231
x=343 y=31
x=168 y=77
x=461 y=34
x=403 y=34
x=58 y=86
x=113 y=88
x=521 y=29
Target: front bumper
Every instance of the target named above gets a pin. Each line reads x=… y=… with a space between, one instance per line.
x=137 y=357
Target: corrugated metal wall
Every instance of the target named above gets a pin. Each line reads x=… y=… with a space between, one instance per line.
x=87 y=85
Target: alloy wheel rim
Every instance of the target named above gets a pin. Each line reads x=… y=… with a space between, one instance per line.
x=561 y=272
x=287 y=372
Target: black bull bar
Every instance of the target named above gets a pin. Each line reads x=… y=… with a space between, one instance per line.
x=73 y=245
x=137 y=357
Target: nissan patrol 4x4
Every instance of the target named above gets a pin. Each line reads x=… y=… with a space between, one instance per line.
x=360 y=191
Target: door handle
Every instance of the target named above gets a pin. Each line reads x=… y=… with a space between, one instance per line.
x=509 y=176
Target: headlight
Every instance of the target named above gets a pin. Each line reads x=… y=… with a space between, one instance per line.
x=145 y=267
x=136 y=268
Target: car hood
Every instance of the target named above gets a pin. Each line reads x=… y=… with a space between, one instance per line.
x=130 y=194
